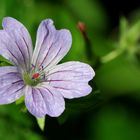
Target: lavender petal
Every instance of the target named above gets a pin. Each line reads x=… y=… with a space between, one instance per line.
x=12 y=86
x=51 y=45
x=71 y=79
x=44 y=100
x=17 y=41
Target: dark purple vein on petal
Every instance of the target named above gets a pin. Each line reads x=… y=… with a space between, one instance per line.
x=50 y=81
x=27 y=48
x=21 y=54
x=11 y=52
x=33 y=92
x=40 y=93
x=57 y=80
x=16 y=90
x=13 y=56
x=53 y=57
x=4 y=78
x=9 y=73
x=19 y=81
x=46 y=54
x=10 y=86
x=19 y=89
x=61 y=71
x=45 y=37
x=62 y=88
x=66 y=88
x=49 y=91
x=12 y=83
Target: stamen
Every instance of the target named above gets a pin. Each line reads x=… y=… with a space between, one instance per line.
x=33 y=66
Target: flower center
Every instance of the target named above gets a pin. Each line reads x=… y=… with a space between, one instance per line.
x=35 y=76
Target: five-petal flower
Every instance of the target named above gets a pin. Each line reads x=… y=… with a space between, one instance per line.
x=36 y=75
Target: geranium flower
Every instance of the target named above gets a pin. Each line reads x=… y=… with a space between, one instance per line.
x=36 y=75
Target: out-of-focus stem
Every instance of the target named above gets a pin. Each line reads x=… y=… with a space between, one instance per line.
x=82 y=29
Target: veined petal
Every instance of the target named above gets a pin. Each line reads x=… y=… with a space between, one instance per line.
x=11 y=85
x=16 y=42
x=51 y=44
x=44 y=100
x=71 y=79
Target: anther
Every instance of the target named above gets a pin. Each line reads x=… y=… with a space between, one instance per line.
x=35 y=76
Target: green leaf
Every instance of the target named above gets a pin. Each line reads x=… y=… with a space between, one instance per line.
x=119 y=76
x=21 y=124
x=123 y=27
x=128 y=41
x=129 y=36
x=4 y=61
x=41 y=123
x=20 y=100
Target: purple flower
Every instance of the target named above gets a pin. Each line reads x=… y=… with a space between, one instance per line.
x=36 y=75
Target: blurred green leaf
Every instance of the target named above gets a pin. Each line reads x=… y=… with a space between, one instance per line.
x=123 y=27
x=119 y=76
x=20 y=100
x=4 y=61
x=115 y=123
x=128 y=42
x=129 y=36
x=19 y=123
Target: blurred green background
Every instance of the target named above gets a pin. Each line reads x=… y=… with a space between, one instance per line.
x=111 y=45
